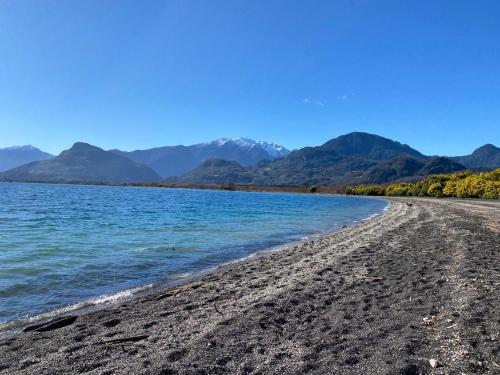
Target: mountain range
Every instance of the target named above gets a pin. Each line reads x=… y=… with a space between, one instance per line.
x=485 y=157
x=83 y=163
x=353 y=158
x=12 y=157
x=177 y=160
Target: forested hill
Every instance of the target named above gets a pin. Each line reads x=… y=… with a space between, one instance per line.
x=83 y=163
x=353 y=158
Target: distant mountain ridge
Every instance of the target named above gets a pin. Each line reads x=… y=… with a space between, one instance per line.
x=15 y=156
x=485 y=157
x=177 y=160
x=350 y=159
x=404 y=168
x=354 y=158
x=83 y=163
x=274 y=150
x=370 y=147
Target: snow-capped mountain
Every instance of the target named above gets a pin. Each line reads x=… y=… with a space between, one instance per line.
x=15 y=156
x=274 y=150
x=19 y=148
x=173 y=161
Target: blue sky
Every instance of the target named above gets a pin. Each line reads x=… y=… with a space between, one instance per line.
x=138 y=74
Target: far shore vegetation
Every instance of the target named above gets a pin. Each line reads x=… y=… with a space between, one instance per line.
x=467 y=184
x=456 y=185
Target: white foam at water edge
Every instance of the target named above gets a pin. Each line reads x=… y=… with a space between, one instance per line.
x=370 y=217
x=273 y=249
x=104 y=299
x=115 y=296
x=386 y=208
x=235 y=261
x=183 y=275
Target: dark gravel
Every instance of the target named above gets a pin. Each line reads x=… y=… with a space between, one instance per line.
x=413 y=292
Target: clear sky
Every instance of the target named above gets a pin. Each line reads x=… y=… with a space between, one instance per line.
x=137 y=74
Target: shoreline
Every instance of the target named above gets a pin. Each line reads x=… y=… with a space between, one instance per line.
x=15 y=327
x=416 y=284
x=325 y=190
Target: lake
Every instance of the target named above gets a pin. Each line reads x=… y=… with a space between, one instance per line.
x=64 y=244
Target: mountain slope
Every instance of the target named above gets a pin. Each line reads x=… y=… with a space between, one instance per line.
x=272 y=149
x=485 y=157
x=83 y=163
x=353 y=158
x=12 y=157
x=166 y=161
x=177 y=160
x=341 y=160
x=350 y=159
x=217 y=172
x=405 y=168
x=370 y=147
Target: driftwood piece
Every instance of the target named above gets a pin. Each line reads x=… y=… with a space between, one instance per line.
x=51 y=325
x=217 y=309
x=122 y=340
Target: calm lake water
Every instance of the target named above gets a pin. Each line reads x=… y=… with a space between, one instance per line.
x=63 y=244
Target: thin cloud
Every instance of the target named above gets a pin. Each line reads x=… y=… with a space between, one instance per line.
x=313 y=102
x=344 y=97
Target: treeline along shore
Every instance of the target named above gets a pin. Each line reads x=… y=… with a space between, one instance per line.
x=457 y=185
x=414 y=291
x=485 y=185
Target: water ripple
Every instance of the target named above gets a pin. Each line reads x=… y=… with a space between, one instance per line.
x=62 y=244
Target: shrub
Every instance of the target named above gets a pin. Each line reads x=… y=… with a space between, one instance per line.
x=366 y=190
x=491 y=190
x=312 y=189
x=460 y=185
x=435 y=190
x=450 y=188
x=398 y=190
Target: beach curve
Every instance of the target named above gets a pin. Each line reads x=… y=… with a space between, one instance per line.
x=412 y=291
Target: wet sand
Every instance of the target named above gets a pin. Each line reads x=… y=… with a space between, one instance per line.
x=415 y=291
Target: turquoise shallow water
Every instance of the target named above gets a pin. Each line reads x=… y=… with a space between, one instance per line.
x=62 y=244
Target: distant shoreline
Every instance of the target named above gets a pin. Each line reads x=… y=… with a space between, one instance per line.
x=340 y=190
x=453 y=185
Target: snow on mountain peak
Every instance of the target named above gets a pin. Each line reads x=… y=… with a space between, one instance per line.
x=274 y=150
x=26 y=148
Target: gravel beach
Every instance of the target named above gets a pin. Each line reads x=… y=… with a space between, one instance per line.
x=415 y=291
